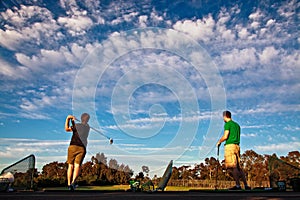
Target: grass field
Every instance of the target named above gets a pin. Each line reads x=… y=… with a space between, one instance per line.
x=118 y=188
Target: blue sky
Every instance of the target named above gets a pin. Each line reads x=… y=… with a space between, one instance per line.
x=154 y=75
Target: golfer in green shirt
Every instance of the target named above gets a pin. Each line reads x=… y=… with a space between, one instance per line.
x=231 y=136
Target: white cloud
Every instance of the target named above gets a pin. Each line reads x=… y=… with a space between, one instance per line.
x=238 y=59
x=47 y=59
x=256 y=15
x=76 y=25
x=125 y=18
x=256 y=126
x=16 y=147
x=30 y=24
x=155 y=16
x=255 y=25
x=290 y=70
x=36 y=103
x=287 y=9
x=249 y=135
x=223 y=17
x=201 y=29
x=282 y=148
x=243 y=33
x=11 y=71
x=291 y=128
x=45 y=151
x=10 y=39
x=51 y=60
x=130 y=16
x=268 y=55
x=149 y=123
x=272 y=107
x=19 y=17
x=143 y=21
x=75 y=54
x=270 y=22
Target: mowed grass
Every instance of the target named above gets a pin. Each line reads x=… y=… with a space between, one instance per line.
x=119 y=188
x=100 y=188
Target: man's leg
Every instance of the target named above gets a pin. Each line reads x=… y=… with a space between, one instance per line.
x=77 y=163
x=76 y=172
x=232 y=163
x=70 y=173
x=243 y=177
x=240 y=171
x=236 y=176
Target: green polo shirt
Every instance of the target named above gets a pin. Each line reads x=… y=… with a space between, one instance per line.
x=234 y=132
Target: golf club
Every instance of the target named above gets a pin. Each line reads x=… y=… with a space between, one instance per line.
x=218 y=151
x=111 y=141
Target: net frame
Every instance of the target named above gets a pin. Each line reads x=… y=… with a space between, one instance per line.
x=24 y=166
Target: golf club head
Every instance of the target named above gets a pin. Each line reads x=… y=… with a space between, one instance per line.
x=111 y=141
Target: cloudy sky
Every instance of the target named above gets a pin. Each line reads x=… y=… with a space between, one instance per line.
x=154 y=75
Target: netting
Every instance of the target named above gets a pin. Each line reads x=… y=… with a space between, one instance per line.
x=283 y=174
x=23 y=172
x=166 y=177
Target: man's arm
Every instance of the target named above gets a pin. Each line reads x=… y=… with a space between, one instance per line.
x=223 y=138
x=67 y=123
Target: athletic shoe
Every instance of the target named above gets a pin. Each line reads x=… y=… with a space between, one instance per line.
x=235 y=188
x=247 y=187
x=71 y=187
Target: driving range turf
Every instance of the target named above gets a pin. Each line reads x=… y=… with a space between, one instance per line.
x=122 y=193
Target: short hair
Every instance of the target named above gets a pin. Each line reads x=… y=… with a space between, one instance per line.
x=85 y=117
x=227 y=114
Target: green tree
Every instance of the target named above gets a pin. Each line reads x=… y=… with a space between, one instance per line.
x=254 y=166
x=175 y=174
x=101 y=158
x=53 y=174
x=55 y=170
x=146 y=170
x=204 y=171
x=113 y=164
x=211 y=164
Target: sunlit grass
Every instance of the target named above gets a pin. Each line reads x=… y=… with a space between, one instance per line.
x=120 y=188
x=100 y=188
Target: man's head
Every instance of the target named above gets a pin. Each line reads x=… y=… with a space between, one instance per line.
x=226 y=116
x=85 y=118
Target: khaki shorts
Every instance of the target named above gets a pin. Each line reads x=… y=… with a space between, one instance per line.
x=76 y=154
x=232 y=155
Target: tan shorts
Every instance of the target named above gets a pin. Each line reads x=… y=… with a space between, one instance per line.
x=232 y=155
x=76 y=154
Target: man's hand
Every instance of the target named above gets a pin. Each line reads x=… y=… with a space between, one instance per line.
x=218 y=144
x=67 y=123
x=71 y=117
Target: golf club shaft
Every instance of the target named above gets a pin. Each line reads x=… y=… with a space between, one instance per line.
x=218 y=152
x=99 y=132
x=96 y=130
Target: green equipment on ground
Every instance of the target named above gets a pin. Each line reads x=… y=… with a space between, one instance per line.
x=149 y=186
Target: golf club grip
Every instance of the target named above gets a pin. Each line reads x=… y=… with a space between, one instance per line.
x=218 y=151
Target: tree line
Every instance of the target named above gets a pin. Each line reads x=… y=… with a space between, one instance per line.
x=259 y=169
x=97 y=171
